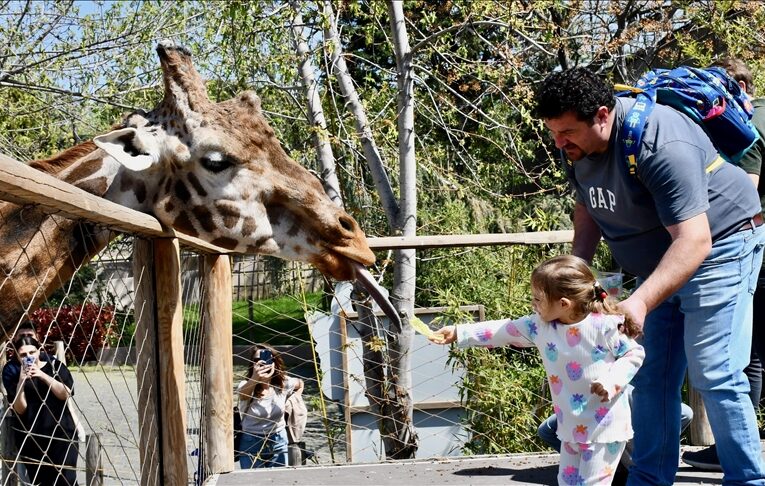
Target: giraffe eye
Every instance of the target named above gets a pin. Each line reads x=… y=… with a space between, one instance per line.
x=216 y=164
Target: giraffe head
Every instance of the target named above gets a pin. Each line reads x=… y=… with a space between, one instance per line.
x=217 y=171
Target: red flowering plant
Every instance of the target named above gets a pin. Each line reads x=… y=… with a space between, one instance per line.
x=84 y=329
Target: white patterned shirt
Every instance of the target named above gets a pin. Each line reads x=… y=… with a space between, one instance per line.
x=574 y=356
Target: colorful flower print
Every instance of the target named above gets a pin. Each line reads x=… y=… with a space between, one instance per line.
x=532 y=326
x=558 y=415
x=484 y=335
x=552 y=352
x=512 y=330
x=598 y=353
x=622 y=348
x=573 y=336
x=555 y=384
x=614 y=447
x=607 y=472
x=580 y=433
x=571 y=451
x=602 y=416
x=578 y=403
x=574 y=370
x=571 y=476
x=586 y=452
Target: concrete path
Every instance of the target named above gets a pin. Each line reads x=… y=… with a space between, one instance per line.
x=532 y=469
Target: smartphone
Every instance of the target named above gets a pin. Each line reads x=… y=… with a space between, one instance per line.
x=266 y=356
x=28 y=361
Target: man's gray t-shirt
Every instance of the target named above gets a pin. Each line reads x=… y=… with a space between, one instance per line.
x=671 y=186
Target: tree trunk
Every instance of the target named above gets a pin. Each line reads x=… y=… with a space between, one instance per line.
x=405 y=269
x=315 y=111
x=348 y=90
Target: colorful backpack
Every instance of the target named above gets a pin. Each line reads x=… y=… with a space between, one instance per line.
x=710 y=97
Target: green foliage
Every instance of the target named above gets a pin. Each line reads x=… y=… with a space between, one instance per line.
x=274 y=321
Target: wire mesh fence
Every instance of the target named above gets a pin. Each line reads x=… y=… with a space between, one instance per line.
x=463 y=401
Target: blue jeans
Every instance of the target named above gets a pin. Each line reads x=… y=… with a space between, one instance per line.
x=548 y=429
x=706 y=327
x=263 y=451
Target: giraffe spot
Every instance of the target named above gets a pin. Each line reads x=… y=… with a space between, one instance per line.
x=181 y=191
x=126 y=183
x=140 y=191
x=249 y=225
x=154 y=199
x=204 y=218
x=229 y=212
x=96 y=186
x=297 y=249
x=168 y=184
x=196 y=184
x=183 y=223
x=275 y=214
x=294 y=230
x=227 y=243
x=83 y=171
x=169 y=206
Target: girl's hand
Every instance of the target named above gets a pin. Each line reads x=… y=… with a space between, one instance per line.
x=263 y=372
x=445 y=335
x=599 y=390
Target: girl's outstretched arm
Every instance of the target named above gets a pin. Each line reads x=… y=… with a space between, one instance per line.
x=503 y=332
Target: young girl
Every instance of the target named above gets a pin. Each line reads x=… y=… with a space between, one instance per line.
x=587 y=358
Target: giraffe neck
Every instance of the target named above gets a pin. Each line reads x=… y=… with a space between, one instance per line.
x=41 y=252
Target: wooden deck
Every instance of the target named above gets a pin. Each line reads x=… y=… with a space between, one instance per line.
x=532 y=469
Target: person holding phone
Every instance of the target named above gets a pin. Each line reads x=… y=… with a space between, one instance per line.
x=262 y=399
x=49 y=445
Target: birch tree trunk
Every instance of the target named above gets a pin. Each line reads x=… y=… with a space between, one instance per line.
x=348 y=90
x=315 y=110
x=405 y=269
x=387 y=374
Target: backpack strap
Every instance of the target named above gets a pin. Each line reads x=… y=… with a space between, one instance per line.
x=631 y=132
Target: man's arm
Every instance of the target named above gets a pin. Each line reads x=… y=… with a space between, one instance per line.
x=691 y=243
x=586 y=233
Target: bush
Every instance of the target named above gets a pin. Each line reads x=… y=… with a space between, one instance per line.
x=84 y=329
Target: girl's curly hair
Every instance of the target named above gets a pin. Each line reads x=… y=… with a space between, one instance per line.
x=577 y=90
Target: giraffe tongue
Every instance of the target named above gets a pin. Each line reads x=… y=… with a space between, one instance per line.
x=366 y=279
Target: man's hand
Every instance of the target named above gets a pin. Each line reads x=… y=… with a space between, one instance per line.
x=635 y=310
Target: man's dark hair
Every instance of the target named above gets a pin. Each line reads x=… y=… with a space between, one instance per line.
x=578 y=90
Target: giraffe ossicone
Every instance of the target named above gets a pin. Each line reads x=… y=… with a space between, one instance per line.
x=215 y=171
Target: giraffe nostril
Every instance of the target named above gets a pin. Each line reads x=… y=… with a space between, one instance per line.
x=347 y=223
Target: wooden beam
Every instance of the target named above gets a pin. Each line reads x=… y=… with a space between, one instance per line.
x=22 y=184
x=218 y=363
x=447 y=241
x=172 y=378
x=146 y=363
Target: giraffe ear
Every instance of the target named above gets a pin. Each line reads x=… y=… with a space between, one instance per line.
x=132 y=150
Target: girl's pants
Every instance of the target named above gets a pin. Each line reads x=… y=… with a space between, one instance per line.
x=588 y=464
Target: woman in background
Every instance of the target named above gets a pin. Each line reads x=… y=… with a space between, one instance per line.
x=49 y=447
x=262 y=399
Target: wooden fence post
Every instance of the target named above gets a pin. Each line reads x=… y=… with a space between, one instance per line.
x=94 y=473
x=218 y=362
x=172 y=378
x=146 y=362
x=701 y=432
